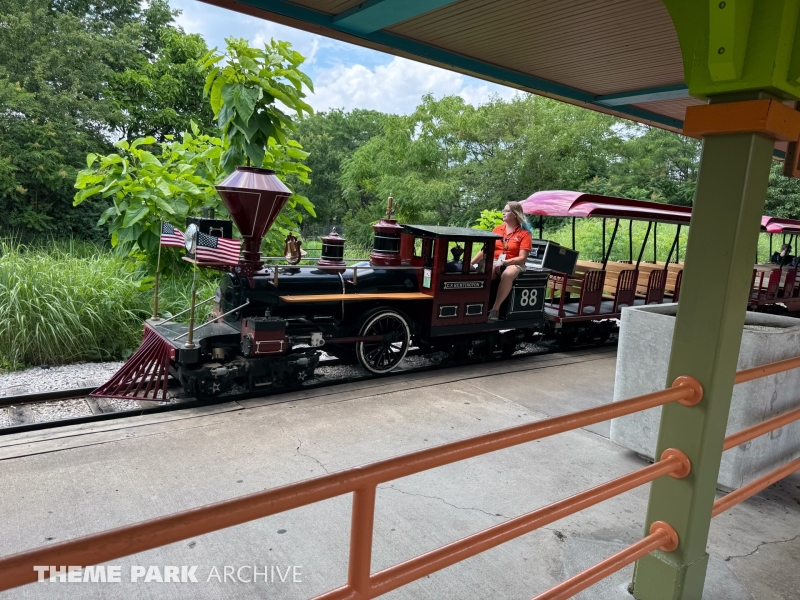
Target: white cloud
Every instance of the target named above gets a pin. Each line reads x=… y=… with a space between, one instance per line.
x=344 y=75
x=396 y=87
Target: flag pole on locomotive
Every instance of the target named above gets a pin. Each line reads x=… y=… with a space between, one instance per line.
x=212 y=250
x=168 y=235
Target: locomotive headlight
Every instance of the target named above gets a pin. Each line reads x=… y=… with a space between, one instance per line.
x=190 y=238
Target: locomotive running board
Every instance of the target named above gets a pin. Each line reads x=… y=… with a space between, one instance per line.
x=357 y=297
x=145 y=374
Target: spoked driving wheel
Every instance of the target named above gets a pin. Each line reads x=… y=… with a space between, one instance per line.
x=381 y=356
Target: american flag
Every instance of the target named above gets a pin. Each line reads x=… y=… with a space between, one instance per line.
x=171 y=235
x=216 y=249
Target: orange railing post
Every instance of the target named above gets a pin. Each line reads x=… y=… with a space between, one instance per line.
x=361 y=528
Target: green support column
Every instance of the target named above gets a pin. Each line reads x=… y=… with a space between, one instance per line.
x=733 y=50
x=723 y=237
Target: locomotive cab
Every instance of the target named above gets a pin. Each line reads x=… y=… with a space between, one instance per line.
x=462 y=295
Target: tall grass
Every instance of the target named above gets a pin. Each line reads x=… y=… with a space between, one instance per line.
x=63 y=302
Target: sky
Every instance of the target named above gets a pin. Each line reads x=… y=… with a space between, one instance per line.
x=344 y=75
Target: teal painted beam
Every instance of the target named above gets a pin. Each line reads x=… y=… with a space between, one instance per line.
x=375 y=15
x=668 y=92
x=459 y=61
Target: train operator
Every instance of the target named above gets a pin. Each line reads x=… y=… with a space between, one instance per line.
x=510 y=253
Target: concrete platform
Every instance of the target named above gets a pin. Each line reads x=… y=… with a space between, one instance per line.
x=61 y=484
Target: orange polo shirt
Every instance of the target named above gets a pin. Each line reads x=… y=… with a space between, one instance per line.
x=516 y=241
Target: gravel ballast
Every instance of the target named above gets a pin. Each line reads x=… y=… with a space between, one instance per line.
x=63 y=377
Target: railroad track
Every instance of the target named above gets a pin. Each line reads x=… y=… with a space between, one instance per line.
x=23 y=419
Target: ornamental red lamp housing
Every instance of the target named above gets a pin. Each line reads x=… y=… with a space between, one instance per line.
x=332 y=257
x=254 y=197
x=386 y=245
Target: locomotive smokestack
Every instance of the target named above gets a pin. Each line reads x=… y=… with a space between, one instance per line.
x=254 y=197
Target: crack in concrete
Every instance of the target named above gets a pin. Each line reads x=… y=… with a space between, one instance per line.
x=558 y=533
x=561 y=537
x=762 y=544
x=300 y=441
x=391 y=487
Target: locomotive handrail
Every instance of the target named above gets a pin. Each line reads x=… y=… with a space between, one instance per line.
x=333 y=267
x=173 y=317
x=212 y=320
x=265 y=258
x=362 y=481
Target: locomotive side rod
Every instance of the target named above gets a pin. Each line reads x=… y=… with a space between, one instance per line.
x=387 y=337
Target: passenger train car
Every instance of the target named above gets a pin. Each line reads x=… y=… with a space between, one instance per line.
x=584 y=303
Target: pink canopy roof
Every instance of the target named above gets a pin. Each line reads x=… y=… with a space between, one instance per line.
x=562 y=203
x=777 y=225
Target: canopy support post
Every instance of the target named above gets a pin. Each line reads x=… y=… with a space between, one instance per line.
x=644 y=243
x=607 y=254
x=573 y=233
x=672 y=249
x=655 y=243
x=630 y=241
x=604 y=235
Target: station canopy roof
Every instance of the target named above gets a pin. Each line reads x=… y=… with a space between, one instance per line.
x=619 y=57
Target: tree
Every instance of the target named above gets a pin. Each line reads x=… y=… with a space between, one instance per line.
x=653 y=165
x=331 y=138
x=60 y=61
x=146 y=189
x=449 y=161
x=162 y=96
x=243 y=92
x=783 y=194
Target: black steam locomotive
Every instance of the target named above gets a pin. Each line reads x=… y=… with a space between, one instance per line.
x=270 y=324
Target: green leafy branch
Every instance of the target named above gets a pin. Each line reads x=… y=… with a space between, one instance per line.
x=244 y=85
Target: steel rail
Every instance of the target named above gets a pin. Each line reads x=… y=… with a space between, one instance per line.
x=661 y=536
x=17 y=569
x=33 y=398
x=752 y=488
x=745 y=435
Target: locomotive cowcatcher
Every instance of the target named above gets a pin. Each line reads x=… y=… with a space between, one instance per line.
x=270 y=323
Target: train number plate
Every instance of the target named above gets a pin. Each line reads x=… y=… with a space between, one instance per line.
x=527 y=300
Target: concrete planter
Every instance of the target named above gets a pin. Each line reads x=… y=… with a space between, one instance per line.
x=643 y=357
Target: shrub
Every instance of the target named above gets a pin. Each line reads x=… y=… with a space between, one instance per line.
x=63 y=302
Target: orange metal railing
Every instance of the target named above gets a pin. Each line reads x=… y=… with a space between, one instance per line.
x=662 y=536
x=362 y=481
x=629 y=555
x=16 y=570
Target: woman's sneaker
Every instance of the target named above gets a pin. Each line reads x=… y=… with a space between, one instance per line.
x=494 y=316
